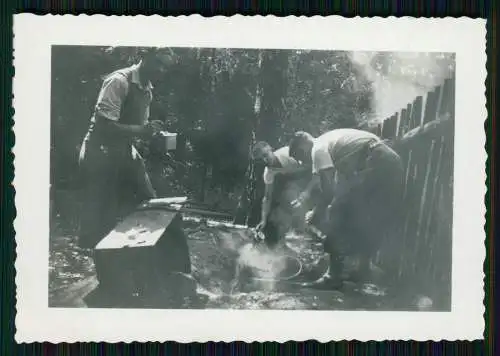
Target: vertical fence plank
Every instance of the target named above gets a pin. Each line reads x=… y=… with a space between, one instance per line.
x=425 y=254
x=432 y=220
x=394 y=129
x=400 y=127
x=409 y=110
x=451 y=97
x=416 y=113
x=445 y=102
x=389 y=127
x=431 y=106
x=404 y=122
x=443 y=225
x=447 y=106
x=439 y=102
x=436 y=176
x=415 y=198
x=426 y=187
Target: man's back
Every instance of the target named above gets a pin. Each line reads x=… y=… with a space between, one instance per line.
x=333 y=147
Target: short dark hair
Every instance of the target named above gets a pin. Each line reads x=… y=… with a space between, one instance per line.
x=296 y=141
x=157 y=52
x=259 y=146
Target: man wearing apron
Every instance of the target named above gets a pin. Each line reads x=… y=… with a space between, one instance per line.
x=114 y=175
x=361 y=180
x=284 y=179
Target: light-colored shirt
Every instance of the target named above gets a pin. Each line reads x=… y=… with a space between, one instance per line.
x=114 y=90
x=333 y=148
x=288 y=165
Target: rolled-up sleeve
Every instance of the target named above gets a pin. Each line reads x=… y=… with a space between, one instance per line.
x=321 y=159
x=112 y=94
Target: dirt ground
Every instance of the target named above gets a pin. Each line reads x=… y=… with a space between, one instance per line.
x=72 y=275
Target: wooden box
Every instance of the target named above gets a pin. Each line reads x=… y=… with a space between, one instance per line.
x=138 y=255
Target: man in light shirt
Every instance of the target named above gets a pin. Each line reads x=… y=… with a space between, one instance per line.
x=114 y=175
x=284 y=177
x=361 y=180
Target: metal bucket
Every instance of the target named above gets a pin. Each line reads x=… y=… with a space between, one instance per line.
x=292 y=268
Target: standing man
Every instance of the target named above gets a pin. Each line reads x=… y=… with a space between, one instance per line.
x=284 y=177
x=114 y=174
x=361 y=180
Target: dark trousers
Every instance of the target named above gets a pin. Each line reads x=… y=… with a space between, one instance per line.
x=283 y=217
x=114 y=182
x=363 y=215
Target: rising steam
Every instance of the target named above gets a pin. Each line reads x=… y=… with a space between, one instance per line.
x=265 y=264
x=399 y=77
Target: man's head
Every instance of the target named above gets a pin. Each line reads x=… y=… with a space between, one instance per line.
x=262 y=151
x=300 y=147
x=156 y=61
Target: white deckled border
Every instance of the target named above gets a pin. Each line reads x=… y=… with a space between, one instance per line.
x=34 y=36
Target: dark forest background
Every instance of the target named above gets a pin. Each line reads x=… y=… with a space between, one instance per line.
x=221 y=100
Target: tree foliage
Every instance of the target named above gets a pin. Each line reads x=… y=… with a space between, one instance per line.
x=220 y=101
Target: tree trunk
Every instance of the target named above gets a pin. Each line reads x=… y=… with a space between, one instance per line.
x=203 y=173
x=268 y=110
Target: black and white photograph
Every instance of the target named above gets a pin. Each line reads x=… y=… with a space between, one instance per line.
x=251 y=178
x=214 y=177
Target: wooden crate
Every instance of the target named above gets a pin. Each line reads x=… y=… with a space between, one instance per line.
x=141 y=252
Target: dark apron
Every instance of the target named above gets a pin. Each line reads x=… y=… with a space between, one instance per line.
x=113 y=175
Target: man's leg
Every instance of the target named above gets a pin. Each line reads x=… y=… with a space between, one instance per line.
x=380 y=207
x=98 y=196
x=271 y=233
x=145 y=183
x=335 y=246
x=276 y=221
x=144 y=186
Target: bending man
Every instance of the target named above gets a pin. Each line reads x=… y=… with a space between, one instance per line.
x=361 y=180
x=284 y=177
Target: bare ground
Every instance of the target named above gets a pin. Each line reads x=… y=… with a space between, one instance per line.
x=72 y=276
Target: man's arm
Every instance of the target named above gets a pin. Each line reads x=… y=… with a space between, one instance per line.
x=124 y=129
x=266 y=202
x=322 y=165
x=268 y=178
x=327 y=177
x=109 y=105
x=313 y=183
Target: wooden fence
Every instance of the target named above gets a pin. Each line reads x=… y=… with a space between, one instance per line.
x=423 y=135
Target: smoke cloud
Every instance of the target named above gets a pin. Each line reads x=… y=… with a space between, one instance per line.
x=399 y=77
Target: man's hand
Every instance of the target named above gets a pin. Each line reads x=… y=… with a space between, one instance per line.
x=310 y=216
x=153 y=127
x=297 y=203
x=329 y=213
